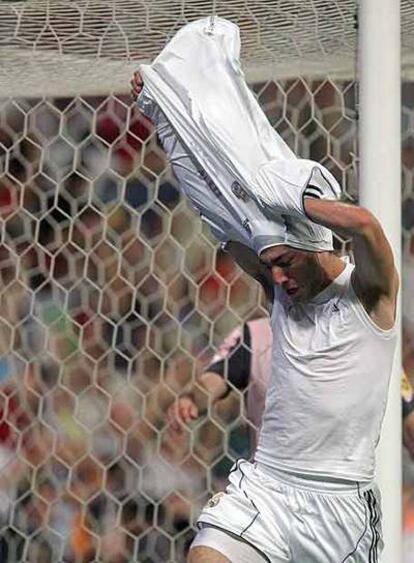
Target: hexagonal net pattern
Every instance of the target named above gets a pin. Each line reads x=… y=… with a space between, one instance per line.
x=50 y=46
x=62 y=47
x=113 y=299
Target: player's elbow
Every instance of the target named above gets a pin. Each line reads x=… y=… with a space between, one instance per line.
x=367 y=227
x=365 y=222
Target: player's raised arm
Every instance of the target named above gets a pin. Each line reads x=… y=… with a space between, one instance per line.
x=375 y=279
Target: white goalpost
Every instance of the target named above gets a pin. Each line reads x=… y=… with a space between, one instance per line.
x=113 y=295
x=380 y=191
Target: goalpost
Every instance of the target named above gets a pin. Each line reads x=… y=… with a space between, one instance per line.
x=380 y=191
x=112 y=293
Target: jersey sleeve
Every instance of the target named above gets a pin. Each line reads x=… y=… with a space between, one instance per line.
x=233 y=359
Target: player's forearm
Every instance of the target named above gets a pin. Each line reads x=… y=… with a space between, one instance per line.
x=373 y=255
x=342 y=218
x=211 y=387
x=245 y=257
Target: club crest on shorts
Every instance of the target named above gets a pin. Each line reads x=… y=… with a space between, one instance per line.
x=215 y=499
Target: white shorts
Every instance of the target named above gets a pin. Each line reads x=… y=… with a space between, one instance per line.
x=297 y=519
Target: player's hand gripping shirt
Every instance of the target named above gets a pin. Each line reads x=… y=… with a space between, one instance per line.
x=198 y=84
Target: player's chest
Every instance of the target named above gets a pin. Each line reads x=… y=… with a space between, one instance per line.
x=306 y=328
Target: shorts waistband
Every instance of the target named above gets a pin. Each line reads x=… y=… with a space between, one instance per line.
x=314 y=483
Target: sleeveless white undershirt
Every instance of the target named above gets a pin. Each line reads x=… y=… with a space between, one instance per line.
x=326 y=400
x=261 y=358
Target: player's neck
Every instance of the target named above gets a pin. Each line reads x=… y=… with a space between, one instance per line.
x=331 y=267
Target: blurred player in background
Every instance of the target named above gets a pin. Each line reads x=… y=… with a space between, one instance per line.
x=407 y=396
x=243 y=363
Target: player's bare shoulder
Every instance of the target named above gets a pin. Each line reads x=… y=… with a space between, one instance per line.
x=375 y=279
x=380 y=305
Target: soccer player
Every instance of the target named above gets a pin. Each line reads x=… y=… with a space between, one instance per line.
x=407 y=395
x=309 y=496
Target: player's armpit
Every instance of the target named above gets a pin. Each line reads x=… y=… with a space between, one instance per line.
x=248 y=261
x=375 y=279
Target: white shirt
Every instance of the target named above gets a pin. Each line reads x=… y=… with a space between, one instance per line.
x=331 y=368
x=198 y=84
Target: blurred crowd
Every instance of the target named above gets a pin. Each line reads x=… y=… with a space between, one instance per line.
x=113 y=297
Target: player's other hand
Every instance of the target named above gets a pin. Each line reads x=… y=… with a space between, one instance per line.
x=182 y=411
x=136 y=84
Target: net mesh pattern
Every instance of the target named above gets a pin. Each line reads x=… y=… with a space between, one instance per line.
x=113 y=296
x=90 y=46
x=127 y=29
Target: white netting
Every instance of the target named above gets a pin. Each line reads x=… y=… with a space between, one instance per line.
x=113 y=296
x=46 y=34
x=91 y=46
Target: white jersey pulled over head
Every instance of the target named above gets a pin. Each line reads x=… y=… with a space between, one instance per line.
x=247 y=176
x=328 y=390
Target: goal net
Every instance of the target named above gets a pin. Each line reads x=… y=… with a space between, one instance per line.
x=113 y=295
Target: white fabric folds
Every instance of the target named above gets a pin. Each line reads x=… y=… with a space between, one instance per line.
x=198 y=84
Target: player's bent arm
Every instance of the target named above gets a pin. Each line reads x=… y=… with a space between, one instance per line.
x=375 y=278
x=211 y=387
x=248 y=261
